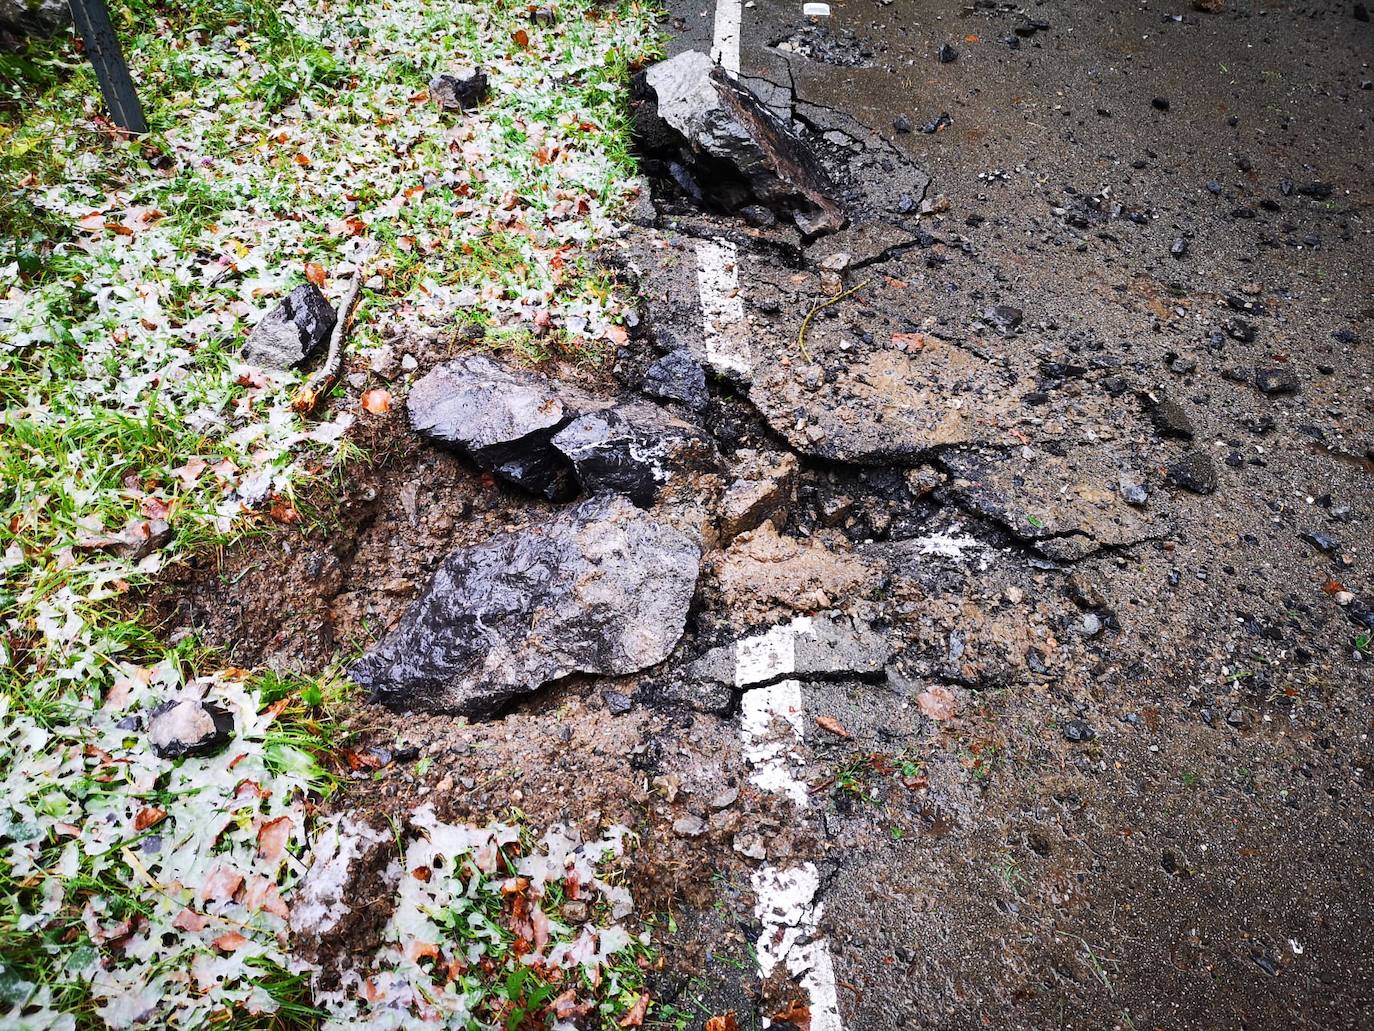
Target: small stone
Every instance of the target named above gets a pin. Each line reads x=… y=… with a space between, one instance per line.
x=459 y=90
x=1276 y=381
x=947 y=54
x=188 y=726
x=901 y=124
x=678 y=376
x=617 y=704
x=1194 y=472
x=1078 y=731
x=1168 y=415
x=1003 y=318
x=750 y=846
x=758 y=215
x=1133 y=490
x=725 y=799
x=1160 y=103
x=689 y=826
x=1180 y=247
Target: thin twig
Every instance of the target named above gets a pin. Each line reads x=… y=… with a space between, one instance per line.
x=317 y=385
x=801 y=333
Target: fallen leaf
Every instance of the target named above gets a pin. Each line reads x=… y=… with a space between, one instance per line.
x=724 y=1022
x=230 y=941
x=190 y=920
x=797 y=1015
x=377 y=401
x=283 y=511
x=149 y=817
x=272 y=838
x=938 y=703
x=316 y=274
x=521 y=37
x=635 y=1017
x=617 y=335
x=262 y=893
x=302 y=160
x=833 y=725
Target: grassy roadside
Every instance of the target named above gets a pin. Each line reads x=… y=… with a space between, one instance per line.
x=135 y=889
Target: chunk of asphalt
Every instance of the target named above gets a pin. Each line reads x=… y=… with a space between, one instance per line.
x=503 y=419
x=601 y=588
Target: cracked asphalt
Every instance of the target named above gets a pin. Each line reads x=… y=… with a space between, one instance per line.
x=1026 y=682
x=1097 y=431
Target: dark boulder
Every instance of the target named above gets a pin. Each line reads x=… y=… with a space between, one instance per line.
x=601 y=588
x=677 y=376
x=503 y=419
x=632 y=450
x=688 y=111
x=293 y=332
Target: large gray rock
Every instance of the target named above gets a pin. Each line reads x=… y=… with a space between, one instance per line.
x=633 y=450
x=601 y=588
x=292 y=332
x=503 y=419
x=724 y=131
x=460 y=90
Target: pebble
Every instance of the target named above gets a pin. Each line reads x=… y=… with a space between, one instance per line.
x=1078 y=731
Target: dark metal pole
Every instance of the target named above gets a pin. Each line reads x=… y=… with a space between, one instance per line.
x=92 y=19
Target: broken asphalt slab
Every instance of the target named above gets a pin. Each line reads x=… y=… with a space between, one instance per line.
x=601 y=588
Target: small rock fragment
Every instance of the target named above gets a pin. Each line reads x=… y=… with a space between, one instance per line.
x=1078 y=731
x=188 y=726
x=689 y=826
x=1194 y=472
x=459 y=90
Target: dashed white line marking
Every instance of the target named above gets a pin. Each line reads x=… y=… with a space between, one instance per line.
x=786 y=903
x=725 y=40
x=722 y=309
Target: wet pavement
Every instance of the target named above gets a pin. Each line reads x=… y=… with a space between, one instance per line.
x=1117 y=774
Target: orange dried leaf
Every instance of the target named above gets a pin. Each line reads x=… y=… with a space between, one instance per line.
x=521 y=37
x=190 y=920
x=635 y=1017
x=230 y=941
x=724 y=1022
x=149 y=817
x=272 y=838
x=829 y=723
x=316 y=274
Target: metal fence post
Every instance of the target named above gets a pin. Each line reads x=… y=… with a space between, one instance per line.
x=92 y=19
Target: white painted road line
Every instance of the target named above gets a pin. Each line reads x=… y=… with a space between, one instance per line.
x=771 y=726
x=725 y=40
x=722 y=309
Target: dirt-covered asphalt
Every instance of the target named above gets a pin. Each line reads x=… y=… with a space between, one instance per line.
x=1171 y=825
